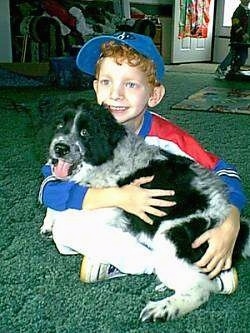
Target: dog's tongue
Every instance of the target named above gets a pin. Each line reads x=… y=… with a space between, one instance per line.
x=61 y=169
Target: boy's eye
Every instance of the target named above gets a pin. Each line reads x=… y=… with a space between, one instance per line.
x=130 y=84
x=105 y=82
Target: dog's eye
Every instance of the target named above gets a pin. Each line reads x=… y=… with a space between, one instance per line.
x=84 y=132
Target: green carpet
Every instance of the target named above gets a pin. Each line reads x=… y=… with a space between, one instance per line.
x=40 y=289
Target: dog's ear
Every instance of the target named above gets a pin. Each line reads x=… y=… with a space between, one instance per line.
x=105 y=133
x=115 y=131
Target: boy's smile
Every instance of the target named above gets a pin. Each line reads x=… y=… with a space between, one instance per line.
x=124 y=90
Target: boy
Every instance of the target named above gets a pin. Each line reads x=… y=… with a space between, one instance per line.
x=128 y=72
x=238 y=53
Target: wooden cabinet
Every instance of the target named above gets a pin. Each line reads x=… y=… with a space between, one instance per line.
x=158 y=37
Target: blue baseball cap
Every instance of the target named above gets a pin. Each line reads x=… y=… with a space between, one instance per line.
x=91 y=51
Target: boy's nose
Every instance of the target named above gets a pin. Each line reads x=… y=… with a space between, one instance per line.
x=116 y=92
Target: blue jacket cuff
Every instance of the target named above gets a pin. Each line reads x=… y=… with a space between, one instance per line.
x=76 y=197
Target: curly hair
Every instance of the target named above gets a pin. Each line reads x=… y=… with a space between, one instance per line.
x=121 y=53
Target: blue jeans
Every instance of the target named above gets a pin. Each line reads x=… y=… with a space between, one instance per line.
x=236 y=56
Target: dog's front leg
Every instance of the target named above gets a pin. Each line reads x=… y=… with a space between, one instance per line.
x=48 y=222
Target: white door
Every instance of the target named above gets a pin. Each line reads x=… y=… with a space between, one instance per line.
x=191 y=49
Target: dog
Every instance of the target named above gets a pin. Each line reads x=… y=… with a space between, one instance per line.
x=99 y=152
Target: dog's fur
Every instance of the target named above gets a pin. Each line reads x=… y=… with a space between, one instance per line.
x=103 y=153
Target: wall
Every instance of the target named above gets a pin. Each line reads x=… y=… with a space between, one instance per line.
x=164 y=10
x=5 y=32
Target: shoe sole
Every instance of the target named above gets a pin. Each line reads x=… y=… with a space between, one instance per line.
x=234 y=285
x=236 y=281
x=84 y=277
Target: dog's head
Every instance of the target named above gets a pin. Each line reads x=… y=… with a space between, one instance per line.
x=87 y=134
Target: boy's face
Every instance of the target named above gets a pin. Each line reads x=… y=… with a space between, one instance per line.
x=124 y=90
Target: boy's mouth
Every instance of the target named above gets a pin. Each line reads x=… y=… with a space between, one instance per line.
x=116 y=109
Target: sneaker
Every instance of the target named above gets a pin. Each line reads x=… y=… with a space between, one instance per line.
x=92 y=271
x=220 y=74
x=227 y=281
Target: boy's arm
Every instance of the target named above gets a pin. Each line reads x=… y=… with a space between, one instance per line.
x=229 y=175
x=60 y=195
x=132 y=198
x=221 y=240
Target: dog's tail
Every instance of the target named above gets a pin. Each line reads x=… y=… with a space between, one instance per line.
x=242 y=246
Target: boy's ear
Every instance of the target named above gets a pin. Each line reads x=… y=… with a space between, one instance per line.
x=156 y=96
x=95 y=85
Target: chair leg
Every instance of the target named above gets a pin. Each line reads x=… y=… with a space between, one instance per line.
x=24 y=47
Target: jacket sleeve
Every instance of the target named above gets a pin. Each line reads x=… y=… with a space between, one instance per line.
x=58 y=194
x=231 y=178
x=239 y=24
x=175 y=140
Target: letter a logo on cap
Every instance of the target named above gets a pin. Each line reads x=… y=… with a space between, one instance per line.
x=124 y=35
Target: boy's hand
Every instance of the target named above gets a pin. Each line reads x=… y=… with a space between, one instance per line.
x=132 y=198
x=141 y=201
x=221 y=241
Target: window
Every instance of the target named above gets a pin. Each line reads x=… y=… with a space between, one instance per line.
x=229 y=8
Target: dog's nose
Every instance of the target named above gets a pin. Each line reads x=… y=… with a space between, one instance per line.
x=61 y=149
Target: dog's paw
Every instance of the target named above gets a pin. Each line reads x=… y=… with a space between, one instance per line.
x=46 y=230
x=158 y=311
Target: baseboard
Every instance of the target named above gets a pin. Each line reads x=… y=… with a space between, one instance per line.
x=26 y=68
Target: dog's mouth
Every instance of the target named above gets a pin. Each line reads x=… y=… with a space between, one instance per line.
x=61 y=168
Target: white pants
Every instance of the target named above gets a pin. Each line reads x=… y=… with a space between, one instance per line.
x=85 y=232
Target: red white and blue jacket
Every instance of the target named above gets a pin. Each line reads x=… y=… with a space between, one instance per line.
x=61 y=195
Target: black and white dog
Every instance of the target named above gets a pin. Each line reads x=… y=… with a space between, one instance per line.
x=102 y=153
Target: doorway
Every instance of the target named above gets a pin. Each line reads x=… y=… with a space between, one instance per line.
x=224 y=12
x=191 y=49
